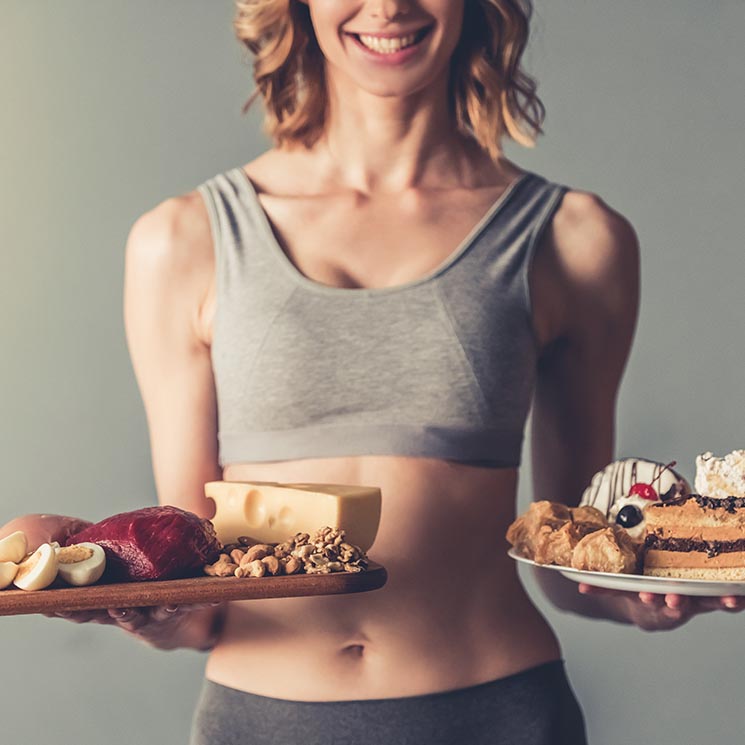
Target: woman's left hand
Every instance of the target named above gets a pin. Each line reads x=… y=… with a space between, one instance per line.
x=655 y=612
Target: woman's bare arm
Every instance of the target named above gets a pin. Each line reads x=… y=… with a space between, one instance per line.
x=592 y=256
x=586 y=274
x=168 y=271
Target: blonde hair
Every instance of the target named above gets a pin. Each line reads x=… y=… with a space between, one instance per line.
x=490 y=94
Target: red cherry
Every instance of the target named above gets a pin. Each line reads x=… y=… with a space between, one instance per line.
x=645 y=491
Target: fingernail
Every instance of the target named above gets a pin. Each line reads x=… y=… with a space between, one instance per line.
x=730 y=602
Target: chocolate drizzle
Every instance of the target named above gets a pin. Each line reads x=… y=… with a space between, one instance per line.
x=730 y=504
x=620 y=476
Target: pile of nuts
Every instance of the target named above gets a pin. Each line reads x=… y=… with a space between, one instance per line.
x=325 y=552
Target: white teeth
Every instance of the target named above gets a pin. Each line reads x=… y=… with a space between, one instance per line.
x=387 y=45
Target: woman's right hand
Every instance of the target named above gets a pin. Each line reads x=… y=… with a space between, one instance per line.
x=193 y=626
x=41 y=528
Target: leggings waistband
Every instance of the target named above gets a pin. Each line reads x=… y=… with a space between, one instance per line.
x=533 y=707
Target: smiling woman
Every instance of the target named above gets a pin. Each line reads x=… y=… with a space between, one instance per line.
x=480 y=44
x=380 y=299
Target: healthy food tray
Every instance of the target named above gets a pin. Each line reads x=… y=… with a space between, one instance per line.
x=191 y=590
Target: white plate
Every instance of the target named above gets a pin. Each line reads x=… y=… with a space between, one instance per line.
x=640 y=583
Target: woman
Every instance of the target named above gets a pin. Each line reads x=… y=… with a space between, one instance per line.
x=385 y=283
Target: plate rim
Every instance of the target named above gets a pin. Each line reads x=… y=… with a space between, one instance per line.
x=633 y=577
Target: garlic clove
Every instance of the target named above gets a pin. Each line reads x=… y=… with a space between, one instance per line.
x=8 y=571
x=81 y=564
x=38 y=570
x=13 y=547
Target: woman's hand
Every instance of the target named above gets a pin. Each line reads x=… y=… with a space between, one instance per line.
x=195 y=626
x=655 y=612
x=44 y=528
x=165 y=627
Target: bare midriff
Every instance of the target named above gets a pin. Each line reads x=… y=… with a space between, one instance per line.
x=452 y=614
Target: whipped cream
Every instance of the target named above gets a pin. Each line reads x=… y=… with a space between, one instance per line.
x=721 y=477
x=609 y=490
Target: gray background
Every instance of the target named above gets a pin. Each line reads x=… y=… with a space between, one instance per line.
x=109 y=107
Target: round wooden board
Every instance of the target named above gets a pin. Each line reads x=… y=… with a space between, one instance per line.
x=185 y=591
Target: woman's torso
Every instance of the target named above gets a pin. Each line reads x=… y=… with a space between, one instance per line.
x=453 y=612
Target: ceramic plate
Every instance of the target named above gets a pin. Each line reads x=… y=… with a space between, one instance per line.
x=639 y=583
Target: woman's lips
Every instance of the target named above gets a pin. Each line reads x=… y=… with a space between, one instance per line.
x=393 y=57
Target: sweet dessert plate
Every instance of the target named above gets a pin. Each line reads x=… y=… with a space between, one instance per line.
x=641 y=583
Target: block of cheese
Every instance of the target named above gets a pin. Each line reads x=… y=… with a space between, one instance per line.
x=271 y=512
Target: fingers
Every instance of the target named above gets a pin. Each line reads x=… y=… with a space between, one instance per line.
x=164 y=612
x=130 y=619
x=652 y=599
x=81 y=616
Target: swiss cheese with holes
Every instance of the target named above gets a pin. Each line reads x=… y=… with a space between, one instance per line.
x=270 y=512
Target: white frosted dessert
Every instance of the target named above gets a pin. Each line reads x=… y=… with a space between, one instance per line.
x=624 y=488
x=721 y=477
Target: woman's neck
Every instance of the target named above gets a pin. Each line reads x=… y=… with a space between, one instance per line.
x=391 y=144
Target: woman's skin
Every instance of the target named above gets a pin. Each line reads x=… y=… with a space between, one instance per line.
x=384 y=198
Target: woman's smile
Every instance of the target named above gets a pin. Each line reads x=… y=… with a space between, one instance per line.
x=391 y=48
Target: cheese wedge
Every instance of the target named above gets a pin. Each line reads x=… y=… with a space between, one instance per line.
x=269 y=512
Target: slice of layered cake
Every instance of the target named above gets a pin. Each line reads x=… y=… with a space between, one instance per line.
x=696 y=537
x=701 y=536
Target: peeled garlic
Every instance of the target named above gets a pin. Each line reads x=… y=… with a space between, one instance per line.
x=38 y=570
x=81 y=564
x=8 y=571
x=13 y=547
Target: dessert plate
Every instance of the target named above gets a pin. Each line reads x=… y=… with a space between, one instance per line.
x=184 y=591
x=640 y=583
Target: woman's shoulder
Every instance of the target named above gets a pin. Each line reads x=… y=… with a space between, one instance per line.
x=169 y=255
x=175 y=231
x=586 y=278
x=594 y=243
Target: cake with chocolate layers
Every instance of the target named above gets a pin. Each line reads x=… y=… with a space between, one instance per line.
x=696 y=537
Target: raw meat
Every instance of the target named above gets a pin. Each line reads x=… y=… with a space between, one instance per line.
x=153 y=543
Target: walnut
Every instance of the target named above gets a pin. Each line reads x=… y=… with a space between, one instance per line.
x=300 y=539
x=223 y=567
x=348 y=552
x=303 y=552
x=282 y=550
x=244 y=540
x=328 y=537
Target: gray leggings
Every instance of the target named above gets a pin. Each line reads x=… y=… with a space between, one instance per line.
x=533 y=707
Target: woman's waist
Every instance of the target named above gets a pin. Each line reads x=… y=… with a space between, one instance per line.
x=381 y=644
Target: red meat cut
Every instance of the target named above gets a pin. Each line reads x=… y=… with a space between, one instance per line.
x=162 y=542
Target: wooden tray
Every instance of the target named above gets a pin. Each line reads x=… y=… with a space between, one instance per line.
x=184 y=591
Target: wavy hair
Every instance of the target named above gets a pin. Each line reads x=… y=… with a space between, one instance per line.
x=490 y=94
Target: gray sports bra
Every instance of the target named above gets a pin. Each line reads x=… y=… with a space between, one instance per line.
x=441 y=367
